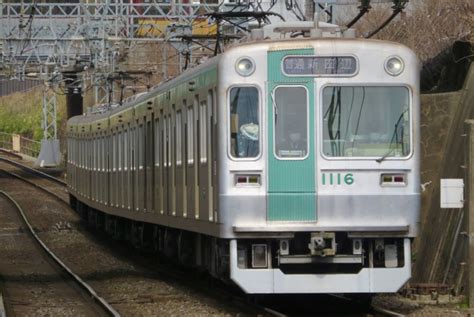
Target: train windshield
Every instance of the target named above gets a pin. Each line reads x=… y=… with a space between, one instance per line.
x=366 y=121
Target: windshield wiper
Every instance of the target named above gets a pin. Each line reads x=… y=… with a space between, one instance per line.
x=275 y=107
x=394 y=136
x=381 y=159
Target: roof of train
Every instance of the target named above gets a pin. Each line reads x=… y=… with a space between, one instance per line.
x=265 y=44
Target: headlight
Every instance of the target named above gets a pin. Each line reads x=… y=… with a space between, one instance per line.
x=394 y=66
x=245 y=66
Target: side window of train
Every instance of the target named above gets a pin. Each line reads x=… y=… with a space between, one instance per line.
x=170 y=140
x=202 y=131
x=141 y=149
x=125 y=149
x=179 y=149
x=290 y=117
x=157 y=142
x=244 y=122
x=165 y=142
x=120 y=150
x=190 y=136
x=114 y=150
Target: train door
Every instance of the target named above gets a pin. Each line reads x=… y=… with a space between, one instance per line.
x=135 y=166
x=179 y=170
x=166 y=163
x=156 y=166
x=149 y=165
x=210 y=152
x=196 y=156
x=190 y=208
x=172 y=154
x=203 y=160
x=126 y=156
x=291 y=157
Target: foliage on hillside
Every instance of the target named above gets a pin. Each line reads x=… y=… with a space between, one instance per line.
x=21 y=113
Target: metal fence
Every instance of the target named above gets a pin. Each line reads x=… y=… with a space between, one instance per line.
x=18 y=144
x=11 y=86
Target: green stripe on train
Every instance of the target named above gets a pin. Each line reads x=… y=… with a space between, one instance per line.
x=291 y=183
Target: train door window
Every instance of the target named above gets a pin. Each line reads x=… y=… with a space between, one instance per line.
x=83 y=152
x=96 y=152
x=149 y=144
x=196 y=131
x=140 y=146
x=190 y=136
x=114 y=151
x=290 y=118
x=117 y=148
x=203 y=132
x=165 y=142
x=244 y=122
x=125 y=150
x=99 y=152
x=79 y=153
x=92 y=147
x=104 y=153
x=157 y=142
x=120 y=151
x=170 y=140
x=179 y=149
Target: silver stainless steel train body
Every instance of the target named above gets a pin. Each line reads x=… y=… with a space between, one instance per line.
x=300 y=158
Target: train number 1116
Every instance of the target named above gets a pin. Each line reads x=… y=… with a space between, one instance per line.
x=337 y=179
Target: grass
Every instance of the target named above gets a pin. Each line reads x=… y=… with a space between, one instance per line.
x=22 y=113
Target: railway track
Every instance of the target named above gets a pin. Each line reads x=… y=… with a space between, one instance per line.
x=33 y=171
x=56 y=187
x=55 y=276
x=56 y=190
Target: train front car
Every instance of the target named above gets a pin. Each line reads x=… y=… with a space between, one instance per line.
x=319 y=178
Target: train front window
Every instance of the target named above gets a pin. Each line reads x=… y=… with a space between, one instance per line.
x=290 y=117
x=365 y=121
x=244 y=122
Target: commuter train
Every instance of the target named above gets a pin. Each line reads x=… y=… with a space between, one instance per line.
x=282 y=165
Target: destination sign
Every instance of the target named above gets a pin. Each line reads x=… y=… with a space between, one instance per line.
x=320 y=65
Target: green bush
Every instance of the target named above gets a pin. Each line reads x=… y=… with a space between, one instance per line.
x=22 y=113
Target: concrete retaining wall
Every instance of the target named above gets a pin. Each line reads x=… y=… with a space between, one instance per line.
x=439 y=250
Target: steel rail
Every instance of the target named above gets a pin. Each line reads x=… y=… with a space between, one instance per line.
x=386 y=312
x=373 y=308
x=167 y=271
x=99 y=300
x=35 y=185
x=34 y=171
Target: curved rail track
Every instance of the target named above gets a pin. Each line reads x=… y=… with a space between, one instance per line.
x=373 y=310
x=56 y=192
x=33 y=171
x=87 y=294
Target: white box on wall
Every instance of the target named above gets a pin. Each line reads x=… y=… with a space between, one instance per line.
x=452 y=193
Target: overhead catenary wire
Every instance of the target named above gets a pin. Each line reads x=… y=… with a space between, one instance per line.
x=398 y=7
x=364 y=8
